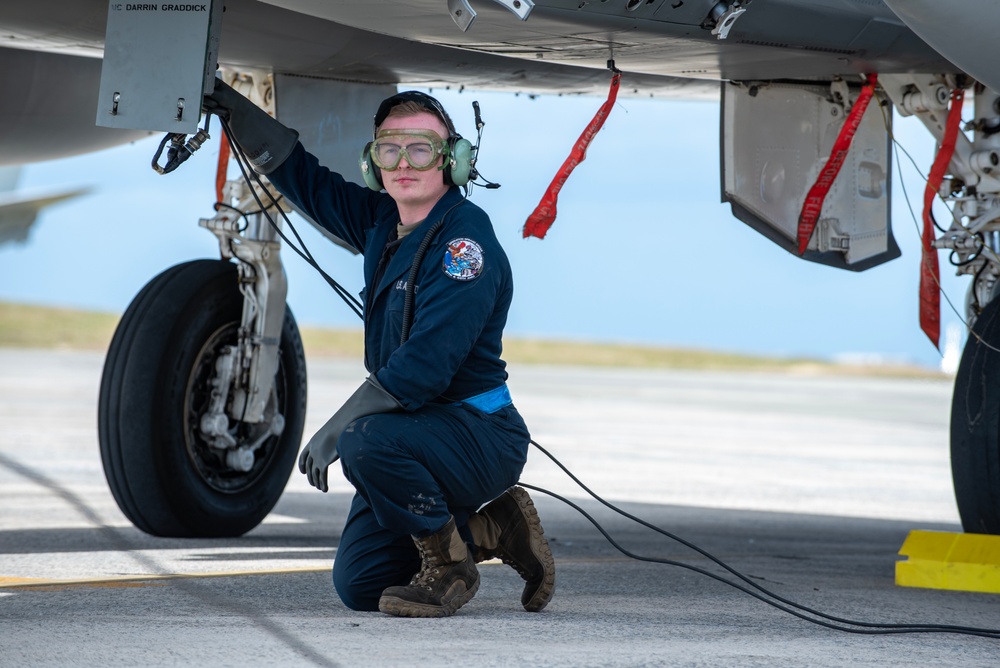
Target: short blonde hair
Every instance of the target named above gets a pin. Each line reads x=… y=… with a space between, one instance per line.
x=408 y=108
x=411 y=108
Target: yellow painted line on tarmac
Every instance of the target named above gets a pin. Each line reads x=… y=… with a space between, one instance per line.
x=143 y=580
x=956 y=561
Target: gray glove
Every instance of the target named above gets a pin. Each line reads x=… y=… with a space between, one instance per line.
x=321 y=451
x=266 y=142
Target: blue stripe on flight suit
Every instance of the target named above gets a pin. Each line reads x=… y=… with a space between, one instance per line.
x=490 y=401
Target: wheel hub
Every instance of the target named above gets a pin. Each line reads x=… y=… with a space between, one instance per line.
x=228 y=454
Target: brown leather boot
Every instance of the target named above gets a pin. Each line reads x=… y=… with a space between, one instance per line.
x=446 y=581
x=509 y=528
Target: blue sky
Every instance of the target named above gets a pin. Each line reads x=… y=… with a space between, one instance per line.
x=641 y=251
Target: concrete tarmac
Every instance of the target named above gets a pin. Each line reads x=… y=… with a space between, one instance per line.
x=807 y=484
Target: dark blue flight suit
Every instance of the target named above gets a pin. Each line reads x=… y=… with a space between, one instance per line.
x=460 y=442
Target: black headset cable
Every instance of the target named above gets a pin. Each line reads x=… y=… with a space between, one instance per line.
x=241 y=160
x=761 y=593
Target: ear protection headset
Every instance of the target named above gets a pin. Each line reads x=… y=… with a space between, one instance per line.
x=458 y=159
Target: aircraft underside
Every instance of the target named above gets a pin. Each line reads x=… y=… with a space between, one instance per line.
x=203 y=398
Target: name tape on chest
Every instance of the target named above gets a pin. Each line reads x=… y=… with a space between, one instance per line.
x=463 y=259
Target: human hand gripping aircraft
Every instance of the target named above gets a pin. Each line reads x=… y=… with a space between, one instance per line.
x=202 y=400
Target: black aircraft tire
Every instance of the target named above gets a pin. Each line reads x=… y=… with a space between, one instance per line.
x=975 y=427
x=108 y=412
x=162 y=474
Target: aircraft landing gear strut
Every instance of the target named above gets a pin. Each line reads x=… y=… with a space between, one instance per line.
x=202 y=401
x=973 y=237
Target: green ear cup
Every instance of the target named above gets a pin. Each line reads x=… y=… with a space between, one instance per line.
x=459 y=162
x=369 y=172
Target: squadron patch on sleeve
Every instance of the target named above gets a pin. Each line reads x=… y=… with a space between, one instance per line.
x=463 y=260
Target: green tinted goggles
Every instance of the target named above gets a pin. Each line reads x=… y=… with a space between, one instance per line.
x=421 y=148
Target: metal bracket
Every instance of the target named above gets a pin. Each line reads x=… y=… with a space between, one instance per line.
x=263 y=285
x=463 y=14
x=727 y=19
x=840 y=92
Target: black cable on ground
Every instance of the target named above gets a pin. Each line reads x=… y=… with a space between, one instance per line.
x=762 y=593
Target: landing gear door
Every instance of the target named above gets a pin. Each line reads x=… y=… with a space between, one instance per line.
x=776 y=139
x=159 y=60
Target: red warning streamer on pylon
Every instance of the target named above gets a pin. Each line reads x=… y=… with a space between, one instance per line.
x=813 y=204
x=544 y=215
x=930 y=277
